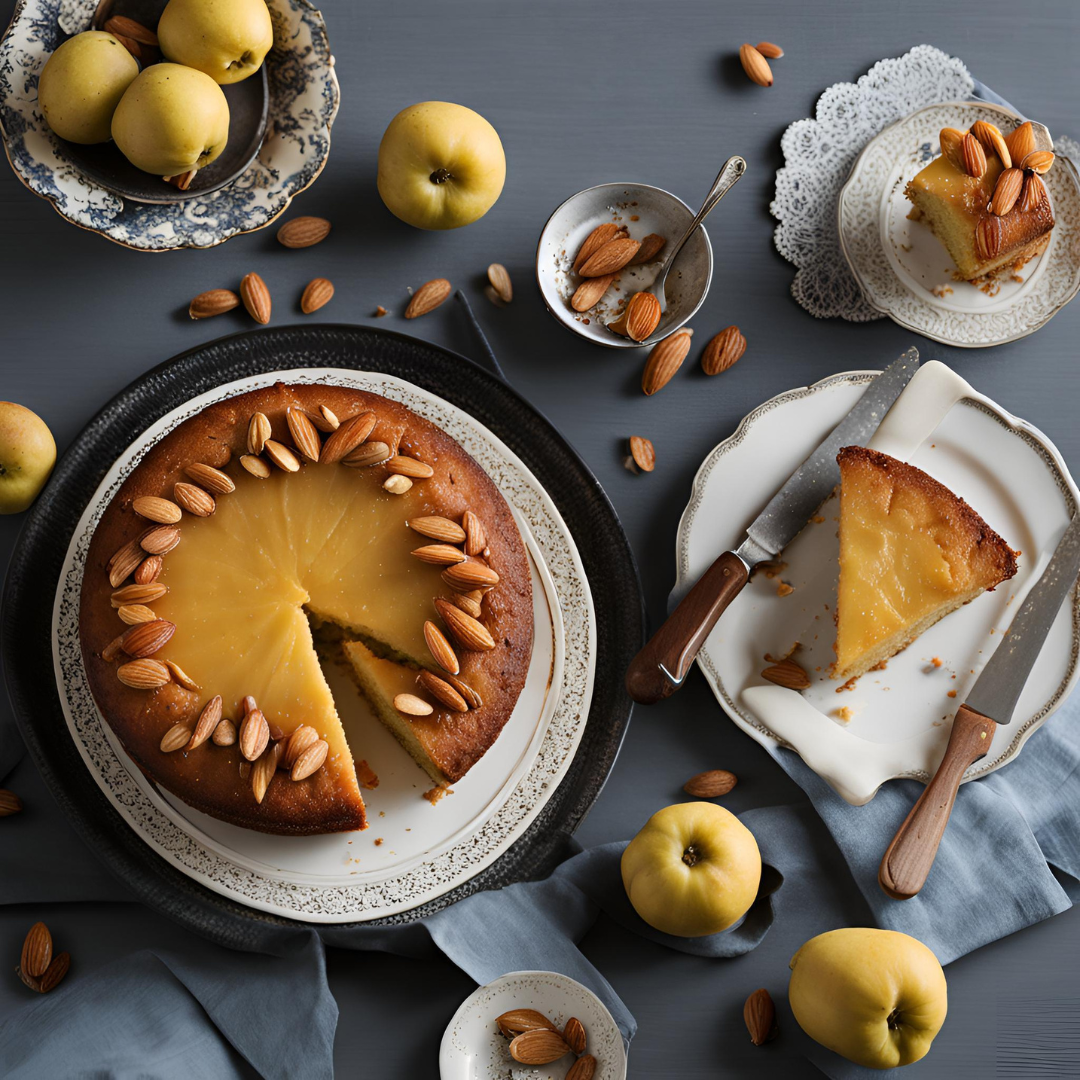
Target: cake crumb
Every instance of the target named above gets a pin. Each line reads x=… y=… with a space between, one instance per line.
x=784 y=589
x=941 y=291
x=378 y=841
x=817 y=519
x=380 y=311
x=936 y=661
x=845 y=713
x=366 y=776
x=436 y=793
x=951 y=693
x=849 y=685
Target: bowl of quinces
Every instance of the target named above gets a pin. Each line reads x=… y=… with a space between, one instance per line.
x=167 y=123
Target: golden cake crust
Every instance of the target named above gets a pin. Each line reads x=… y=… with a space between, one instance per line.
x=208 y=778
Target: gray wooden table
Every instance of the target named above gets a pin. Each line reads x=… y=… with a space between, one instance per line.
x=582 y=94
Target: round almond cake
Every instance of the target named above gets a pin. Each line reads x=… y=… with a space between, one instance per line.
x=279 y=530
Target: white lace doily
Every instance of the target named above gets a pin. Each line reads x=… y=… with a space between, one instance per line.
x=819 y=154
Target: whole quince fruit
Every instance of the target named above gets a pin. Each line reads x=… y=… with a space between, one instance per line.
x=876 y=997
x=225 y=39
x=27 y=456
x=441 y=165
x=693 y=869
x=82 y=83
x=171 y=119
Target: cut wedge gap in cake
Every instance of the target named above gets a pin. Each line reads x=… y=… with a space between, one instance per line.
x=911 y=552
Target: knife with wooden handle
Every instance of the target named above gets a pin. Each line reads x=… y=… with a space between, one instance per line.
x=992 y=701
x=665 y=661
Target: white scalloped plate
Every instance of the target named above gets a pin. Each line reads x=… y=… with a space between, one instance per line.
x=905 y=272
x=425 y=851
x=1007 y=469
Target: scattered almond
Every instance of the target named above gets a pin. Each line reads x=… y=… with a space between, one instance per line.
x=304 y=435
x=583 y=1068
x=475 y=534
x=181 y=677
x=310 y=760
x=160 y=540
x=574 y=1035
x=601 y=235
x=1038 y=161
x=179 y=735
x=225 y=733
x=317 y=294
x=610 y=258
x=755 y=65
x=132 y=614
x=10 y=803
x=470 y=633
x=411 y=705
x=769 y=50
x=759 y=1013
x=428 y=297
x=282 y=456
x=1033 y=193
x=589 y=293
x=540 y=1046
x=37 y=950
x=1006 y=191
x=499 y=277
x=147 y=572
x=468 y=575
x=302 y=232
x=208 y=722
x=441 y=650
x=162 y=511
x=146 y=638
x=788 y=674
x=723 y=351
x=300 y=740
x=993 y=142
x=193 y=499
x=254 y=734
x=371 y=453
x=651 y=246
x=380 y=311
x=214 y=480
x=642 y=453
x=213 y=302
x=258 y=433
x=397 y=484
x=1021 y=141
x=55 y=972
x=438 y=528
x=256 y=297
x=347 y=438
x=664 y=361
x=973 y=156
x=710 y=784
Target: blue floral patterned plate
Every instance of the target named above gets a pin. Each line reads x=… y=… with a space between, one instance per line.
x=303 y=101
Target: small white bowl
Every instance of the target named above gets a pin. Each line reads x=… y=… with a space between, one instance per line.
x=473 y=1049
x=643 y=209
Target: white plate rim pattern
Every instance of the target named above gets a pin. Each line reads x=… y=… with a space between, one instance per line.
x=395 y=894
x=1025 y=431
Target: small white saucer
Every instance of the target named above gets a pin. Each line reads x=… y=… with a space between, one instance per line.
x=473 y=1049
x=903 y=269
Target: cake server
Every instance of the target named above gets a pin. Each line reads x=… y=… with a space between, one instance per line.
x=992 y=700
x=662 y=665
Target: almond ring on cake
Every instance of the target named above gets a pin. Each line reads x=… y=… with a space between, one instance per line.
x=278 y=526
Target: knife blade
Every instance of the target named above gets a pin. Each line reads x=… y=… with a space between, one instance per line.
x=907 y=861
x=660 y=667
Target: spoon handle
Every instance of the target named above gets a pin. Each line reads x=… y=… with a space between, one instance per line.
x=726 y=179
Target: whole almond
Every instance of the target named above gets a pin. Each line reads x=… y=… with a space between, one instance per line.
x=178 y=736
x=538 y=1047
x=475 y=534
x=310 y=760
x=601 y=235
x=470 y=696
x=302 y=232
x=214 y=480
x=139 y=594
x=769 y=50
x=371 y=453
x=181 y=677
x=642 y=453
x=469 y=603
x=470 y=633
x=282 y=456
x=952 y=142
x=723 y=351
x=441 y=650
x=574 y=1034
x=1033 y=193
x=403 y=465
x=329 y=417
x=642 y=315
x=1021 y=141
x=121 y=24
x=759 y=1014
x=350 y=435
x=1038 y=161
x=255 y=466
x=499 y=277
x=438 y=528
x=193 y=499
x=304 y=435
x=125 y=562
x=303 y=737
x=55 y=972
x=610 y=258
x=439 y=554
x=262 y=771
x=397 y=485
x=583 y=1068
x=213 y=302
x=160 y=540
x=788 y=674
x=133 y=614
x=651 y=246
x=428 y=297
x=664 y=361
x=1006 y=191
x=993 y=142
x=710 y=784
x=224 y=733
x=208 y=722
x=254 y=734
x=143 y=674
x=37 y=950
x=146 y=638
x=589 y=293
x=411 y=705
x=10 y=803
x=146 y=573
x=464 y=576
x=518 y=1020
x=258 y=433
x=153 y=508
x=317 y=294
x=755 y=65
x=442 y=691
x=988 y=237
x=973 y=155
x=256 y=297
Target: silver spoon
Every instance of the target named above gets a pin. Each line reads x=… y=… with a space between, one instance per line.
x=725 y=180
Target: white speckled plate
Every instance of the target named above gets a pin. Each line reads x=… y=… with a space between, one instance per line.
x=905 y=272
x=899 y=718
x=473 y=1049
x=425 y=850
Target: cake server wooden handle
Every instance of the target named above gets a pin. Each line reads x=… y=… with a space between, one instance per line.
x=908 y=859
x=659 y=669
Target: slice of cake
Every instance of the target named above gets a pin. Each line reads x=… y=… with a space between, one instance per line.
x=910 y=552
x=984 y=198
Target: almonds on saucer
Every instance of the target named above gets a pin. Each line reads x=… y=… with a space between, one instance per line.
x=582 y=1069
x=601 y=235
x=574 y=1034
x=518 y=1020
x=610 y=258
x=642 y=315
x=589 y=293
x=428 y=297
x=540 y=1046
x=651 y=246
